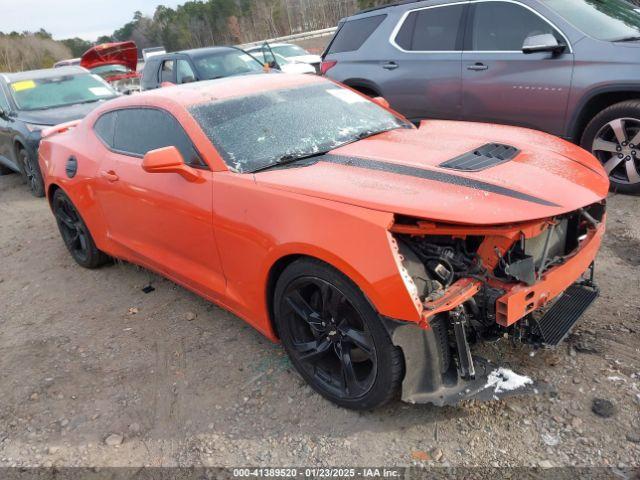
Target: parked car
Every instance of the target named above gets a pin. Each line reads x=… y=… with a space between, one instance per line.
x=267 y=56
x=196 y=65
x=34 y=100
x=67 y=63
x=373 y=250
x=117 y=63
x=567 y=67
x=293 y=53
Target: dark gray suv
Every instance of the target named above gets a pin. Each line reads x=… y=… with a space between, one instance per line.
x=568 y=67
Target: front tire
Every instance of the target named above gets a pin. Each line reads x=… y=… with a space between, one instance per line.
x=75 y=234
x=613 y=136
x=335 y=338
x=31 y=172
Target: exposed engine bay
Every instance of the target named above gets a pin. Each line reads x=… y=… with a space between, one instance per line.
x=481 y=284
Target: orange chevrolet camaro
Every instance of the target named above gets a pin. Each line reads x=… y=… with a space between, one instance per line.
x=377 y=252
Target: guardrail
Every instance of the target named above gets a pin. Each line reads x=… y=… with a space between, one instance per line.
x=295 y=37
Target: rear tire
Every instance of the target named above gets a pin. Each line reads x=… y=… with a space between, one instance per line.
x=613 y=137
x=75 y=233
x=31 y=172
x=335 y=338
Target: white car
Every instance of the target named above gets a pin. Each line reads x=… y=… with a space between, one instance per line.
x=293 y=53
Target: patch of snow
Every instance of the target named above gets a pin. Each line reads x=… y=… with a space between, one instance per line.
x=616 y=379
x=505 y=380
x=550 y=440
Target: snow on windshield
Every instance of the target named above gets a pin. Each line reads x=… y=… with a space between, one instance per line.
x=256 y=131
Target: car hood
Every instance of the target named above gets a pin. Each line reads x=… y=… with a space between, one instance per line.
x=399 y=172
x=55 y=116
x=119 y=53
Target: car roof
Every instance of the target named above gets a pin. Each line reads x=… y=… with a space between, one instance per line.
x=45 y=73
x=199 y=52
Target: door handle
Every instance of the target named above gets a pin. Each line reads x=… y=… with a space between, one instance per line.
x=477 y=67
x=390 y=66
x=110 y=176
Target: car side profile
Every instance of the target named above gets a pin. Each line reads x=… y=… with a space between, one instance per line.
x=34 y=100
x=197 y=65
x=566 y=67
x=375 y=251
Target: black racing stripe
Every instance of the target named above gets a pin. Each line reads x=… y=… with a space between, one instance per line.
x=433 y=175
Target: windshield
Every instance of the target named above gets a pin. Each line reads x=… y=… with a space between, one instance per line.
x=42 y=93
x=609 y=20
x=226 y=64
x=106 y=71
x=290 y=50
x=257 y=131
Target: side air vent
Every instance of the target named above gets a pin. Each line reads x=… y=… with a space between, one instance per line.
x=71 y=167
x=481 y=158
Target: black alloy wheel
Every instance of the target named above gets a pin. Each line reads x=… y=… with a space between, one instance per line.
x=334 y=338
x=75 y=233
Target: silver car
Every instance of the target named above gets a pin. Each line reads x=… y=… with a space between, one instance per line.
x=568 y=67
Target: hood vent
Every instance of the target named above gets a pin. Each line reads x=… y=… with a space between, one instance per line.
x=481 y=158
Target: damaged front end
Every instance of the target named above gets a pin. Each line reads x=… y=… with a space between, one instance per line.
x=475 y=283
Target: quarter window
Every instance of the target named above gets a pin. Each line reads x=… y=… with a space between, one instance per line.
x=105 y=128
x=137 y=131
x=501 y=26
x=431 y=29
x=352 y=35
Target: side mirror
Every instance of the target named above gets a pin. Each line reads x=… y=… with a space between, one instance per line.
x=542 y=43
x=381 y=101
x=188 y=79
x=168 y=160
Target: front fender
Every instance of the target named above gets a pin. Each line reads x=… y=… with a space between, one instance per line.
x=256 y=226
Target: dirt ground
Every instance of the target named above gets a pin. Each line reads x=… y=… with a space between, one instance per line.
x=94 y=372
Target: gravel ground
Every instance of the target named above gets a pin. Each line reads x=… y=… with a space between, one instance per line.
x=94 y=372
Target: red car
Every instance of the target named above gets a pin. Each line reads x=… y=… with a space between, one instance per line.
x=116 y=63
x=375 y=251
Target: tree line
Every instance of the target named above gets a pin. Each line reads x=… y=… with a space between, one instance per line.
x=195 y=23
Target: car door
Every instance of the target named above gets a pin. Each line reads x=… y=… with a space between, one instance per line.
x=161 y=220
x=424 y=79
x=504 y=85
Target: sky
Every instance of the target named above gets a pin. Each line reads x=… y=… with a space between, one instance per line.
x=87 y=19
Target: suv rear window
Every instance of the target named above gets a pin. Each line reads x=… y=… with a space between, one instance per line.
x=431 y=29
x=352 y=35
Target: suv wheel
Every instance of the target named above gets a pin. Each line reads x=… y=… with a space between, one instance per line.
x=613 y=136
x=31 y=172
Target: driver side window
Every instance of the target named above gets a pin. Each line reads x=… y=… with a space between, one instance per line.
x=502 y=26
x=136 y=131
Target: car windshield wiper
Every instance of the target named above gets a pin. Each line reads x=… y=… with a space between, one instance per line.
x=289 y=158
x=627 y=39
x=292 y=158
